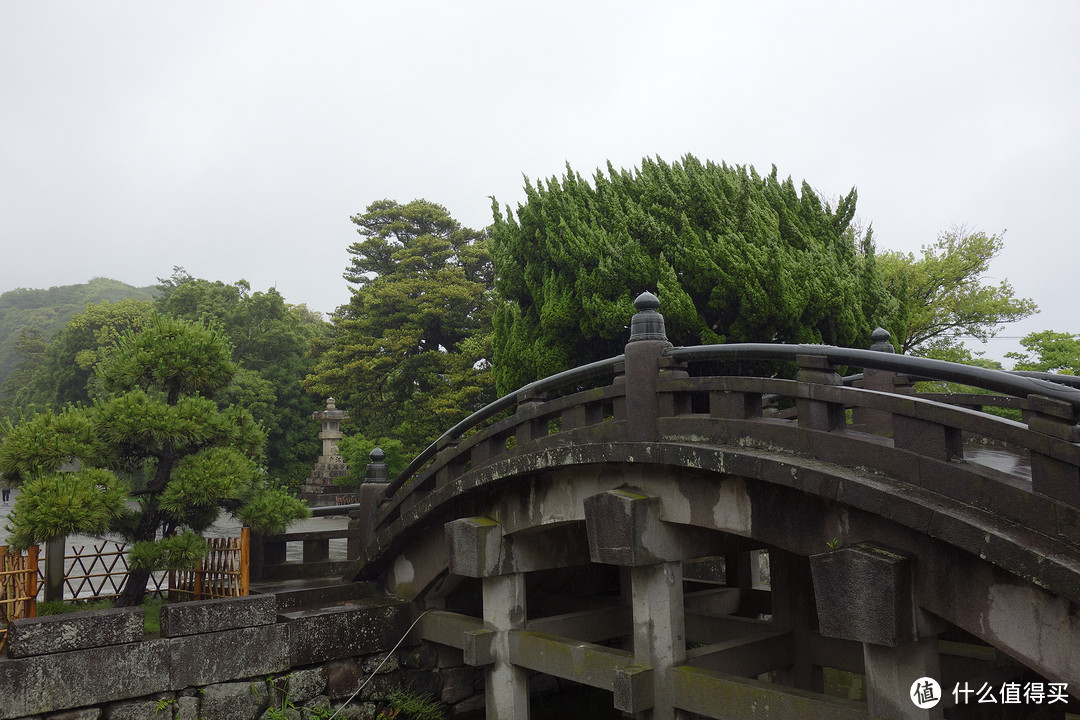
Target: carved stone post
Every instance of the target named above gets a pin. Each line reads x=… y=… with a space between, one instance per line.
x=648 y=339
x=370 y=494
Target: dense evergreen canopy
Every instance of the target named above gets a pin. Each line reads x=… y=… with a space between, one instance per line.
x=408 y=354
x=733 y=256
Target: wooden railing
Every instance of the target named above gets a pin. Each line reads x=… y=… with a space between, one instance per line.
x=18 y=586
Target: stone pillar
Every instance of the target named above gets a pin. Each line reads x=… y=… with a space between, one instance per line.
x=648 y=339
x=878 y=422
x=625 y=529
x=506 y=685
x=865 y=593
x=368 y=499
x=476 y=547
x=55 y=550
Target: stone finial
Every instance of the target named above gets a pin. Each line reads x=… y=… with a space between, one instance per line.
x=880 y=341
x=330 y=404
x=377 y=470
x=647 y=323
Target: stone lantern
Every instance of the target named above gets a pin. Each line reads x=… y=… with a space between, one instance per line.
x=320 y=488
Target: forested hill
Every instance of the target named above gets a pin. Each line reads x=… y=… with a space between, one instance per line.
x=49 y=310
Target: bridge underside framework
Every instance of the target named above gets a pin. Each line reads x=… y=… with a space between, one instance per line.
x=710 y=561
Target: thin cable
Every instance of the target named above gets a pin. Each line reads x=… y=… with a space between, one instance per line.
x=379 y=667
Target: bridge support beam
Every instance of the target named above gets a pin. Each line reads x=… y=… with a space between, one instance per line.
x=865 y=593
x=625 y=529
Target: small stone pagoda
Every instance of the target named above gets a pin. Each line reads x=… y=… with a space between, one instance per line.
x=320 y=488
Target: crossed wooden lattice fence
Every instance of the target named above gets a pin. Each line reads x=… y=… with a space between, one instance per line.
x=98 y=572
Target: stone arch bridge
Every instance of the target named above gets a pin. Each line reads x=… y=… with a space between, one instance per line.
x=613 y=525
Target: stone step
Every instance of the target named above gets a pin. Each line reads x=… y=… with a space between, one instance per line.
x=314 y=592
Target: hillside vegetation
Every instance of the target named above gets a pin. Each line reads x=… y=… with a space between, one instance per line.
x=46 y=311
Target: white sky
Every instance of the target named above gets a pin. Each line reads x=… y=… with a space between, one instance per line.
x=236 y=139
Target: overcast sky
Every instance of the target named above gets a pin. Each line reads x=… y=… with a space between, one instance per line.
x=236 y=139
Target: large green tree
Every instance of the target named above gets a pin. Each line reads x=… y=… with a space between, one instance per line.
x=156 y=416
x=942 y=294
x=271 y=340
x=409 y=354
x=64 y=373
x=732 y=255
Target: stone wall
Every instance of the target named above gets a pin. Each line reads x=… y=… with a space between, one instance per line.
x=220 y=660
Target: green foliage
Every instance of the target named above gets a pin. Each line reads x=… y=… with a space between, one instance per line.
x=356 y=450
x=64 y=370
x=270 y=340
x=733 y=257
x=153 y=416
x=941 y=294
x=416 y=705
x=183 y=551
x=45 y=312
x=1049 y=351
x=59 y=504
x=409 y=355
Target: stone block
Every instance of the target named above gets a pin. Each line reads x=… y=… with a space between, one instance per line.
x=331 y=633
x=77 y=631
x=304 y=685
x=343 y=678
x=228 y=655
x=864 y=593
x=205 y=616
x=83 y=714
x=457 y=684
x=186 y=708
x=235 y=701
x=48 y=683
x=141 y=709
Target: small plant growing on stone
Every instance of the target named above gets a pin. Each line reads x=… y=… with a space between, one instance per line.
x=415 y=706
x=163 y=704
x=833 y=544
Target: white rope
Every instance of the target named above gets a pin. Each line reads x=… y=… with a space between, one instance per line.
x=379 y=667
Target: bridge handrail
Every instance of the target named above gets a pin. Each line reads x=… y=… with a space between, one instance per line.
x=1020 y=385
x=538 y=387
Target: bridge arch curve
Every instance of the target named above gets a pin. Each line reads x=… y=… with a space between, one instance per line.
x=890 y=553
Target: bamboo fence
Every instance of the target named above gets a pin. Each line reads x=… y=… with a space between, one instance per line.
x=18 y=587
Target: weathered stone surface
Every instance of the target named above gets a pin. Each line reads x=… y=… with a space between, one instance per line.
x=329 y=633
x=142 y=709
x=229 y=655
x=343 y=679
x=457 y=684
x=76 y=631
x=864 y=593
x=186 y=708
x=304 y=685
x=204 y=616
x=422 y=681
x=235 y=701
x=77 y=679
x=84 y=714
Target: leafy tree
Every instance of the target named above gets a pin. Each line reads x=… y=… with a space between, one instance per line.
x=29 y=351
x=408 y=355
x=47 y=311
x=270 y=340
x=732 y=255
x=156 y=416
x=65 y=372
x=942 y=295
x=1049 y=351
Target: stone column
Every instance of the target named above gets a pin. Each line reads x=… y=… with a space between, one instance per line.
x=476 y=548
x=625 y=529
x=648 y=339
x=368 y=498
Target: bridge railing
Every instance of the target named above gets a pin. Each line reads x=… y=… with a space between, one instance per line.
x=890 y=429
